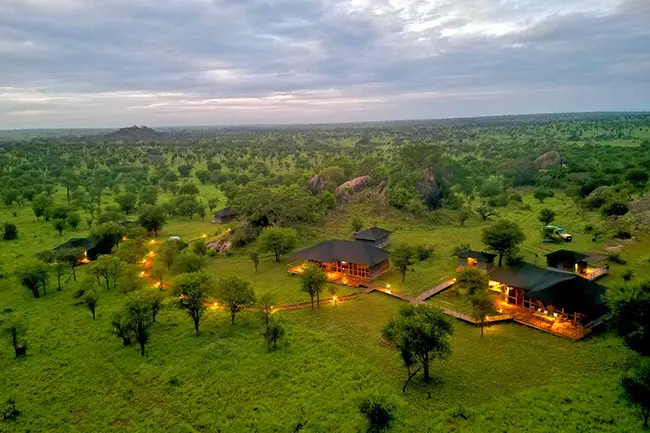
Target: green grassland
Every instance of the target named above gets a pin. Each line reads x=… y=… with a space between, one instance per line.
x=77 y=377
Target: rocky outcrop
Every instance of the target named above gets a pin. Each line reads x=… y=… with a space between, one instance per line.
x=220 y=245
x=316 y=184
x=135 y=132
x=597 y=193
x=355 y=185
x=549 y=159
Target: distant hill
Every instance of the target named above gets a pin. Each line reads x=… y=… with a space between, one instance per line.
x=135 y=132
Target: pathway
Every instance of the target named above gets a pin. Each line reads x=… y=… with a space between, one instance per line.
x=434 y=291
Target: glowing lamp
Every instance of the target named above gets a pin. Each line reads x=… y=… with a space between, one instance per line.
x=216 y=304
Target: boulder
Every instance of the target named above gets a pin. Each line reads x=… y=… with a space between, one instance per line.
x=549 y=159
x=316 y=184
x=220 y=245
x=597 y=193
x=355 y=185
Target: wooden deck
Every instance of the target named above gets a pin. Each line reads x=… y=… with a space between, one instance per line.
x=564 y=329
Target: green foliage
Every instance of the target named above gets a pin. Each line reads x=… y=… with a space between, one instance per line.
x=503 y=236
x=277 y=206
x=312 y=281
x=357 y=224
x=273 y=332
x=131 y=251
x=126 y=202
x=9 y=232
x=378 y=410
x=236 y=294
x=32 y=275
x=9 y=412
x=188 y=263
x=140 y=321
x=193 y=290
x=636 y=385
x=485 y=212
x=546 y=216
x=278 y=240
x=542 y=194
x=59 y=225
x=106 y=236
x=199 y=247
x=421 y=334
x=638 y=177
x=152 y=218
x=90 y=301
x=615 y=209
x=403 y=257
x=255 y=258
x=471 y=281
x=631 y=307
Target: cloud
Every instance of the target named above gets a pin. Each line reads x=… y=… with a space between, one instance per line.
x=161 y=62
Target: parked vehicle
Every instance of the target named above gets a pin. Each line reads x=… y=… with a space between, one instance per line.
x=557 y=233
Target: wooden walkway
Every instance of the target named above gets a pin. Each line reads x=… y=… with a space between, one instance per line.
x=434 y=291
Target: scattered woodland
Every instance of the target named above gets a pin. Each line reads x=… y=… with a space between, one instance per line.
x=173 y=322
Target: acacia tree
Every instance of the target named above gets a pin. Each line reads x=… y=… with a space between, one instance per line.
x=421 y=334
x=312 y=281
x=636 y=385
x=235 y=293
x=152 y=218
x=33 y=276
x=122 y=328
x=107 y=267
x=502 y=237
x=255 y=258
x=482 y=305
x=140 y=319
x=471 y=281
x=90 y=301
x=631 y=307
x=16 y=332
x=279 y=240
x=403 y=258
x=71 y=256
x=193 y=290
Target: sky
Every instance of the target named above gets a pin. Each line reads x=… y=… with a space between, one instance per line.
x=112 y=63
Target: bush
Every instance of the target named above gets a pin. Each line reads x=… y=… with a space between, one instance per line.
x=615 y=257
x=542 y=194
x=589 y=228
x=423 y=252
x=9 y=232
x=622 y=234
x=498 y=201
x=516 y=197
x=460 y=248
x=615 y=209
x=378 y=410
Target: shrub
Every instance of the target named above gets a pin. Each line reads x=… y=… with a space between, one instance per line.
x=498 y=201
x=423 y=252
x=615 y=257
x=460 y=248
x=9 y=232
x=378 y=410
x=615 y=209
x=516 y=197
x=589 y=228
x=622 y=234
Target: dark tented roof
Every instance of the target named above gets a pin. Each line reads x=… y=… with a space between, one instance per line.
x=529 y=277
x=372 y=234
x=343 y=251
x=84 y=243
x=478 y=255
x=225 y=212
x=566 y=256
x=554 y=287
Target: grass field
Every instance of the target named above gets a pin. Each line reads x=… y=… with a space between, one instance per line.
x=77 y=377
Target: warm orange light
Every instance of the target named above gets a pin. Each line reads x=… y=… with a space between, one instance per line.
x=157 y=284
x=142 y=274
x=388 y=286
x=151 y=253
x=152 y=241
x=204 y=235
x=388 y=291
x=124 y=238
x=144 y=262
x=216 y=304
